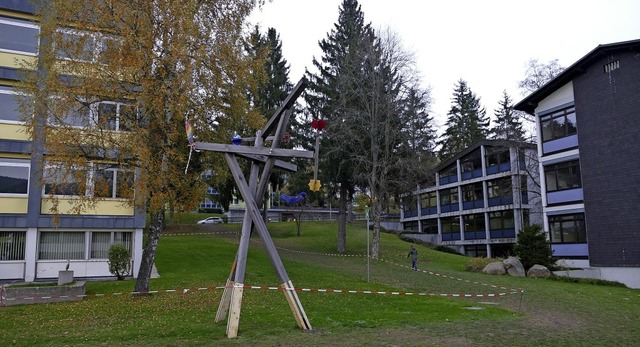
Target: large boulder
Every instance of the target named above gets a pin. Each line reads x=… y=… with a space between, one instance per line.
x=496 y=268
x=514 y=267
x=538 y=271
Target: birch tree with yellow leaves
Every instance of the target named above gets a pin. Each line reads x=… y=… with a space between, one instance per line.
x=113 y=87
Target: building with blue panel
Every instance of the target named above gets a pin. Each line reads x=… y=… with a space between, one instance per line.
x=587 y=127
x=478 y=200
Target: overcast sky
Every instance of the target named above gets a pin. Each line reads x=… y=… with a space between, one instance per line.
x=485 y=42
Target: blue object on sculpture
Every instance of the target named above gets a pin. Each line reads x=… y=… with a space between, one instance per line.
x=236 y=139
x=293 y=199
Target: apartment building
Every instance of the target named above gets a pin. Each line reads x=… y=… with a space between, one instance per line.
x=38 y=239
x=478 y=200
x=587 y=125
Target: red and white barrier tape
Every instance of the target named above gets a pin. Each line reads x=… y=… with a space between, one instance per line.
x=184 y=291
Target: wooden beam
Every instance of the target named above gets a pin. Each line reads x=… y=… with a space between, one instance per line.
x=280 y=164
x=288 y=103
x=270 y=152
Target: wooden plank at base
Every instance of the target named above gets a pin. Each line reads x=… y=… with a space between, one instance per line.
x=234 y=310
x=225 y=301
x=296 y=306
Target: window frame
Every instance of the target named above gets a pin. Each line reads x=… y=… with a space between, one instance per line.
x=118 y=123
x=471 y=162
x=579 y=223
x=7 y=90
x=115 y=181
x=554 y=169
x=115 y=236
x=566 y=131
x=10 y=249
x=58 y=171
x=97 y=47
x=22 y=24
x=17 y=162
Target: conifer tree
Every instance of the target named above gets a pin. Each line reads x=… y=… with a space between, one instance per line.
x=508 y=126
x=325 y=100
x=467 y=122
x=419 y=124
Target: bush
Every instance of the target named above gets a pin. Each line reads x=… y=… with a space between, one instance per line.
x=119 y=261
x=478 y=264
x=532 y=247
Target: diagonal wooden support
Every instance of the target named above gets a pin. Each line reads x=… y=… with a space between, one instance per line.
x=253 y=193
x=261 y=227
x=232 y=299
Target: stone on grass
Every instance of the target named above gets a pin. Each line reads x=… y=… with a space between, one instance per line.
x=496 y=268
x=514 y=267
x=538 y=271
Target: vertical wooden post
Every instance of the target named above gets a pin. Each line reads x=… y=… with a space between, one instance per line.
x=234 y=313
x=261 y=227
x=225 y=301
x=237 y=276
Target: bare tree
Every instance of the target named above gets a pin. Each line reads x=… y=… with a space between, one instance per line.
x=375 y=126
x=538 y=74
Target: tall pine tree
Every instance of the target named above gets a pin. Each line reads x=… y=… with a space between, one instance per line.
x=419 y=124
x=508 y=126
x=341 y=51
x=467 y=122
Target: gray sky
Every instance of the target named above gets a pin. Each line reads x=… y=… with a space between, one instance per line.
x=485 y=42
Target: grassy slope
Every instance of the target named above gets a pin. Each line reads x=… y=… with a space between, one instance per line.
x=549 y=313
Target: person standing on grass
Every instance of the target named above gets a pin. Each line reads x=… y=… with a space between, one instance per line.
x=413 y=253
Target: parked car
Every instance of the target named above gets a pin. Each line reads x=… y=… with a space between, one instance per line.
x=211 y=220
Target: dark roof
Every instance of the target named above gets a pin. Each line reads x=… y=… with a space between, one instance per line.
x=530 y=103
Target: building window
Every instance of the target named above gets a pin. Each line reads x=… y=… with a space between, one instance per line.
x=10 y=103
x=14 y=176
x=59 y=181
x=12 y=245
x=449 y=174
x=429 y=203
x=471 y=165
x=72 y=113
x=474 y=227
x=409 y=207
x=101 y=241
x=18 y=36
x=559 y=124
x=430 y=226
x=475 y=251
x=497 y=160
x=109 y=182
x=413 y=226
x=563 y=176
x=87 y=46
x=115 y=116
x=499 y=191
x=569 y=228
x=472 y=196
x=450 y=228
x=61 y=245
x=449 y=200
x=502 y=224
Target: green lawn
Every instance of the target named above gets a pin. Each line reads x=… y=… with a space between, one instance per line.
x=549 y=313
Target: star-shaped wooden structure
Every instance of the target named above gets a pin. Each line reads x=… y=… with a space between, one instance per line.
x=253 y=191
